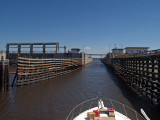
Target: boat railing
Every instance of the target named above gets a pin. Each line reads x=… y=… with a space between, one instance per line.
x=117 y=106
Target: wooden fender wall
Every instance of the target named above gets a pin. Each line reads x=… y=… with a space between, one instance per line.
x=30 y=70
x=142 y=73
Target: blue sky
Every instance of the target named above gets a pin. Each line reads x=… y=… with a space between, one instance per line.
x=94 y=24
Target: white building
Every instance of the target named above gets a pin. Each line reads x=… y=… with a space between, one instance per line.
x=117 y=51
x=75 y=50
x=2 y=56
x=136 y=50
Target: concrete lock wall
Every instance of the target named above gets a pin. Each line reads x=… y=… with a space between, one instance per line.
x=13 y=56
x=85 y=59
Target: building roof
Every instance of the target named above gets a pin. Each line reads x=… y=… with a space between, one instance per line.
x=117 y=49
x=75 y=49
x=136 y=48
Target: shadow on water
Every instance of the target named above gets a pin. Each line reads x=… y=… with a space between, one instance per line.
x=137 y=100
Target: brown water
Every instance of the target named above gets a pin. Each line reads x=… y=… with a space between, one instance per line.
x=53 y=99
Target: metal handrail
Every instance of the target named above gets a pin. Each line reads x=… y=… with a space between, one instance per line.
x=71 y=114
x=79 y=105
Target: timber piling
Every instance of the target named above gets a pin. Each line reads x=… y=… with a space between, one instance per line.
x=4 y=75
x=142 y=73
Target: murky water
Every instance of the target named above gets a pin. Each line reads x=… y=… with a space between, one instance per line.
x=53 y=99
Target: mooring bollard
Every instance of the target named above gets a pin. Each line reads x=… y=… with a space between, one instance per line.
x=4 y=74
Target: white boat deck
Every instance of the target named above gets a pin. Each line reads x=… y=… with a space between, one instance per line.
x=83 y=115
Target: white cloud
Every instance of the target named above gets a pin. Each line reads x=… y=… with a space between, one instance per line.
x=106 y=48
x=87 y=48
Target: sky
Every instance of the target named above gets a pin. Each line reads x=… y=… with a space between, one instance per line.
x=91 y=25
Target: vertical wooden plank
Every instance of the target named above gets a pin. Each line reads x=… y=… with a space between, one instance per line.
x=158 y=84
x=4 y=75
